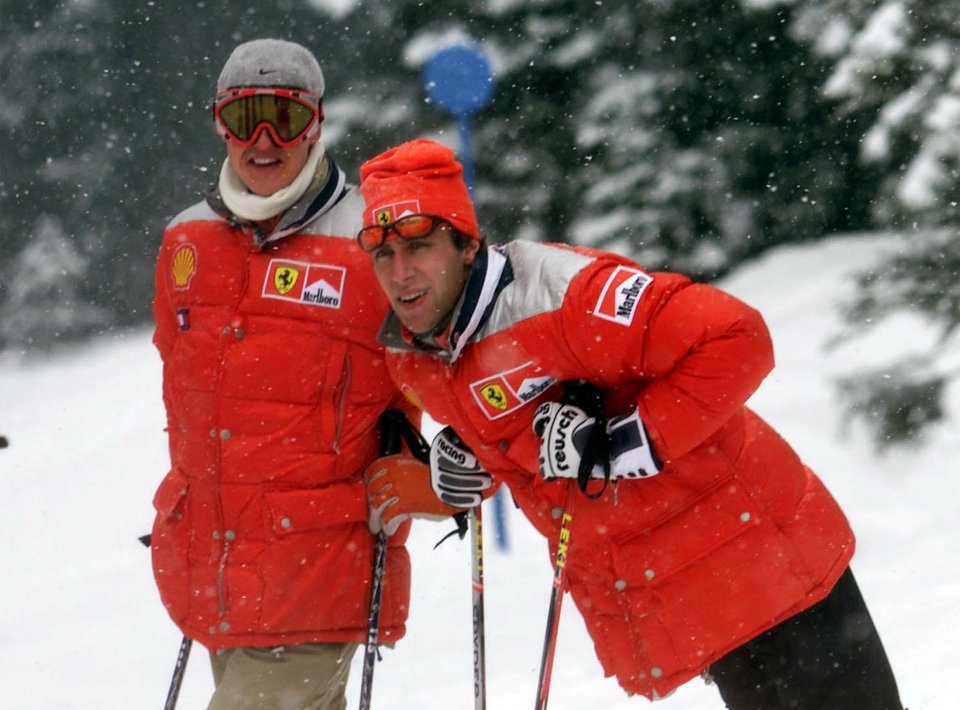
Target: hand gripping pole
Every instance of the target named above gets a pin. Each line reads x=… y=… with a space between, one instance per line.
x=390 y=428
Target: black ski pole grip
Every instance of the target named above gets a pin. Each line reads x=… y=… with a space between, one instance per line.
x=585 y=395
x=391 y=427
x=589 y=397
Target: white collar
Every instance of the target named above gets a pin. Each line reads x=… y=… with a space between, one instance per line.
x=256 y=208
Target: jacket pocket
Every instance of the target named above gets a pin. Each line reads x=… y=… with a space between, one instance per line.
x=332 y=394
x=168 y=501
x=317 y=561
x=694 y=532
x=170 y=542
x=298 y=511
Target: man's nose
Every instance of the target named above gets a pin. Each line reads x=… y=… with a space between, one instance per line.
x=402 y=265
x=263 y=138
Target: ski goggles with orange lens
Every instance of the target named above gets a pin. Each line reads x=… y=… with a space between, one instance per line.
x=288 y=115
x=413 y=226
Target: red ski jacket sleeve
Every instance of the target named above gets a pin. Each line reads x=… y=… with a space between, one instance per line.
x=695 y=353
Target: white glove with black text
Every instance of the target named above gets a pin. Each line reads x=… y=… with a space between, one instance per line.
x=455 y=473
x=565 y=432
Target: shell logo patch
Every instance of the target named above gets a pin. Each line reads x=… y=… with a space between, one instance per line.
x=620 y=295
x=507 y=391
x=300 y=282
x=183 y=266
x=388 y=214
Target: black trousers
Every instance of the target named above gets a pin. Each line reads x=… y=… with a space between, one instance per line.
x=828 y=657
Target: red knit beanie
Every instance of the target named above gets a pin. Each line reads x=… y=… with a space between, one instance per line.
x=418 y=177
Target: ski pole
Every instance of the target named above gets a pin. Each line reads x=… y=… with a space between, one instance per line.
x=178 y=671
x=588 y=397
x=479 y=645
x=556 y=599
x=472 y=520
x=183 y=655
x=390 y=422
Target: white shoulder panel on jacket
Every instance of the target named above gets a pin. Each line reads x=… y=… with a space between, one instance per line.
x=343 y=220
x=541 y=276
x=199 y=211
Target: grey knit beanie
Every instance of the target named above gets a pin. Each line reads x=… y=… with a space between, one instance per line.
x=274 y=63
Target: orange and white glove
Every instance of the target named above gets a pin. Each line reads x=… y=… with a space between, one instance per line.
x=398 y=488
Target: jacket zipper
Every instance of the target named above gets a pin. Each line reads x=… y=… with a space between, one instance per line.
x=226 y=330
x=220 y=570
x=341 y=403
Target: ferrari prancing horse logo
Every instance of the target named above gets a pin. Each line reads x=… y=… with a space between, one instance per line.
x=495 y=396
x=285 y=278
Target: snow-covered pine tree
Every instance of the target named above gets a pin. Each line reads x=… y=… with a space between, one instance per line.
x=898 y=65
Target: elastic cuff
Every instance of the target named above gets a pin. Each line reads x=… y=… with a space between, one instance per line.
x=631 y=455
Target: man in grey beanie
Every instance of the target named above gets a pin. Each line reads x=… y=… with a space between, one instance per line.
x=266 y=319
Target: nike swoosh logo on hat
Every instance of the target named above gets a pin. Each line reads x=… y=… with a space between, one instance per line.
x=268 y=71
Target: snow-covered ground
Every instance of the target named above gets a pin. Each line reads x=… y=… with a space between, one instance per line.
x=81 y=625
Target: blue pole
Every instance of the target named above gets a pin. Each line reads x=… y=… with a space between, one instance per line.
x=466 y=151
x=459 y=80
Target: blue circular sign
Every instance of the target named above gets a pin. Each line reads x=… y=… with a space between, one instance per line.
x=458 y=79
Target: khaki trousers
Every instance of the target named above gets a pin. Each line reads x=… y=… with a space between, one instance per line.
x=311 y=676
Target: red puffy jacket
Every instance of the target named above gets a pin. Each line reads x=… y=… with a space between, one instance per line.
x=273 y=383
x=671 y=572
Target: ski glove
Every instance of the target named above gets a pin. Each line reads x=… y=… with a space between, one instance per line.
x=455 y=473
x=398 y=488
x=565 y=432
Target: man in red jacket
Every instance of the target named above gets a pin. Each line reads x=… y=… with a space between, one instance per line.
x=699 y=542
x=266 y=318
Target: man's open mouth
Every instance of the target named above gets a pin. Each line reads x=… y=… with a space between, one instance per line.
x=410 y=298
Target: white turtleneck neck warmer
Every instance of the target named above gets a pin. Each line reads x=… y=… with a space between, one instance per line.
x=256 y=208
